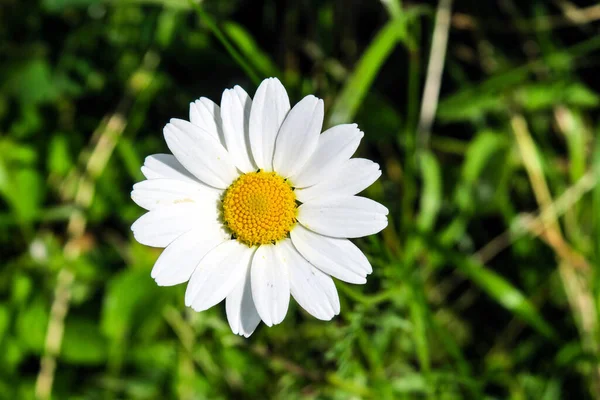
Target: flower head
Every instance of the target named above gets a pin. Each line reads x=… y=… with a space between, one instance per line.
x=256 y=204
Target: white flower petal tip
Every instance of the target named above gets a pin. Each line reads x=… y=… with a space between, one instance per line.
x=205 y=114
x=153 y=193
x=345 y=217
x=298 y=136
x=160 y=227
x=270 y=285
x=217 y=275
x=312 y=289
x=179 y=260
x=239 y=306
x=200 y=153
x=335 y=147
x=235 y=114
x=245 y=334
x=339 y=258
x=159 y=166
x=354 y=176
x=269 y=108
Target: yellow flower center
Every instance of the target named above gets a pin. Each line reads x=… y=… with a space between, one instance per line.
x=259 y=208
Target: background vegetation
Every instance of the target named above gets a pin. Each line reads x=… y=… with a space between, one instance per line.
x=485 y=283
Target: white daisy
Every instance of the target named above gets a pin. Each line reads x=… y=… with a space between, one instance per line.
x=256 y=204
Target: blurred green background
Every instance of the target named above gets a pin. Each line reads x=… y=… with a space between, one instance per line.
x=485 y=283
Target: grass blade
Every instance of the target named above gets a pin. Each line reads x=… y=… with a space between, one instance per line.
x=362 y=78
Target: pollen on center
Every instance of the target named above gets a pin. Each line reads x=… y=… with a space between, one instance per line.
x=259 y=208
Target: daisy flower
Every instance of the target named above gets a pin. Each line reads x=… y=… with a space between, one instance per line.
x=256 y=204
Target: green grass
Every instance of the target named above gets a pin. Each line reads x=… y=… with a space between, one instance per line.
x=485 y=283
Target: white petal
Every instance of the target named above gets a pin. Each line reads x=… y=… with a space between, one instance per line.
x=336 y=145
x=339 y=258
x=347 y=217
x=270 y=285
x=269 y=108
x=217 y=274
x=354 y=176
x=177 y=262
x=312 y=289
x=235 y=113
x=153 y=193
x=298 y=136
x=200 y=154
x=241 y=312
x=205 y=114
x=159 y=166
x=159 y=227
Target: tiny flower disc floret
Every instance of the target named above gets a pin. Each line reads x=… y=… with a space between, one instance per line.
x=259 y=208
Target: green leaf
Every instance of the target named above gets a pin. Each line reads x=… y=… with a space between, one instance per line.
x=362 y=78
x=12 y=353
x=17 y=153
x=418 y=313
x=32 y=322
x=411 y=383
x=579 y=95
x=82 y=343
x=494 y=285
x=507 y=295
x=431 y=196
x=467 y=108
x=22 y=286
x=59 y=5
x=174 y=4
x=212 y=25
x=131 y=158
x=158 y=355
x=167 y=26
x=4 y=321
x=546 y=95
x=30 y=191
x=59 y=156
x=260 y=60
x=32 y=82
x=480 y=152
x=576 y=135
x=127 y=300
x=596 y=200
x=394 y=8
x=379 y=119
x=21 y=185
x=475 y=102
